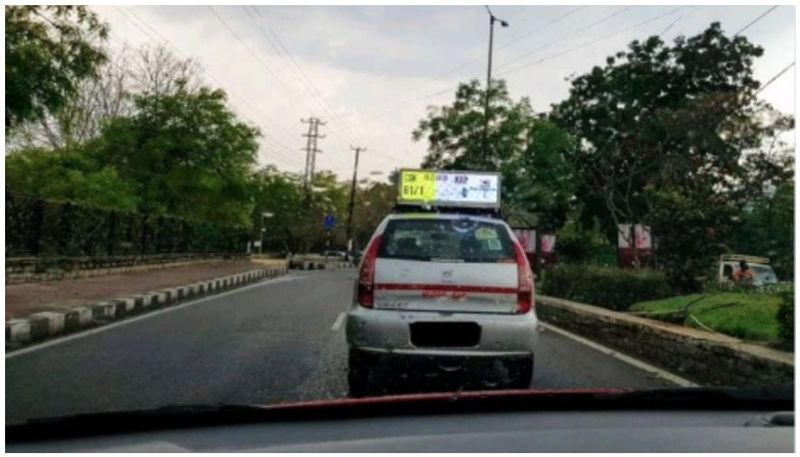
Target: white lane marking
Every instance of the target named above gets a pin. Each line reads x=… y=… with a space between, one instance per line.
x=148 y=315
x=622 y=357
x=338 y=323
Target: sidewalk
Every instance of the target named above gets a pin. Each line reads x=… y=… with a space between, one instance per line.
x=25 y=299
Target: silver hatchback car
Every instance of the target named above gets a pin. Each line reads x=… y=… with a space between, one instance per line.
x=447 y=288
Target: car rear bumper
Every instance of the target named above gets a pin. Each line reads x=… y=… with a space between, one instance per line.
x=389 y=332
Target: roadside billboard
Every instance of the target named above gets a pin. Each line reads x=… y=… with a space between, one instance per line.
x=548 y=244
x=640 y=236
x=527 y=239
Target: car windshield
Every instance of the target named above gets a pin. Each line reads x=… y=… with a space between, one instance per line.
x=461 y=240
x=762 y=270
x=270 y=204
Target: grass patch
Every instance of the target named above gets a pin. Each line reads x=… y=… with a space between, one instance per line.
x=749 y=316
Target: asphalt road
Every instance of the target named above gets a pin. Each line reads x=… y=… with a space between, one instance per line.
x=278 y=341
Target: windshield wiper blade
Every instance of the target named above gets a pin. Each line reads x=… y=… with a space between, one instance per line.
x=169 y=411
x=465 y=402
x=165 y=417
x=737 y=394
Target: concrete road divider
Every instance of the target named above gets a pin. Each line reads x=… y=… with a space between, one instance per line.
x=709 y=358
x=48 y=324
x=319 y=265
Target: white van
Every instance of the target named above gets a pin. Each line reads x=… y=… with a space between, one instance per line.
x=729 y=263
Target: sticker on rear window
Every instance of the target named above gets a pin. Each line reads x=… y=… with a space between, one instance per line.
x=494 y=245
x=485 y=233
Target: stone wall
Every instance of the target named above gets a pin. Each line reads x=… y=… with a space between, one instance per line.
x=34 y=269
x=708 y=358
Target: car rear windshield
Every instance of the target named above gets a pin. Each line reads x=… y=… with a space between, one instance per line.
x=454 y=240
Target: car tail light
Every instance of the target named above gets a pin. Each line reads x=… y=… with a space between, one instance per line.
x=525 y=300
x=366 y=277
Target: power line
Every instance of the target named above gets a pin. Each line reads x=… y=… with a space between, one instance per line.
x=406 y=102
x=507 y=44
x=308 y=83
x=571 y=35
x=409 y=103
x=215 y=79
x=258 y=59
x=288 y=59
x=772 y=80
x=548 y=24
x=749 y=24
x=149 y=35
x=672 y=24
x=263 y=64
x=479 y=57
x=591 y=42
x=290 y=62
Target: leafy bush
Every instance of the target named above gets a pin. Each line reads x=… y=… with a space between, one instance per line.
x=611 y=288
x=786 y=318
x=584 y=245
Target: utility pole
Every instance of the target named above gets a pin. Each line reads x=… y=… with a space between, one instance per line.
x=351 y=206
x=311 y=154
x=308 y=175
x=308 y=153
x=492 y=20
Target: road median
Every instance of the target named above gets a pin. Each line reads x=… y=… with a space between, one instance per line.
x=43 y=325
x=709 y=358
x=313 y=264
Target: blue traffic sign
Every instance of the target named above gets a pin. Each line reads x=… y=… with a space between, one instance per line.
x=330 y=222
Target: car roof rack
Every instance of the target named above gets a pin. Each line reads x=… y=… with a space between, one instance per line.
x=746 y=258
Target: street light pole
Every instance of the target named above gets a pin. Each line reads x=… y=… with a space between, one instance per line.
x=769 y=192
x=262 y=229
x=492 y=20
x=352 y=203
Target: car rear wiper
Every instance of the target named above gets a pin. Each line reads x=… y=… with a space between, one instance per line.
x=446 y=260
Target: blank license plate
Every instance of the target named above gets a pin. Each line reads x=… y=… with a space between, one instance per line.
x=445 y=334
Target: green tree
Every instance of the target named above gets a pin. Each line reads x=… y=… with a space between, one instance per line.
x=530 y=152
x=49 y=51
x=767 y=229
x=188 y=155
x=668 y=129
x=455 y=133
x=373 y=203
x=538 y=182
x=281 y=194
x=148 y=70
x=68 y=175
x=581 y=242
x=328 y=196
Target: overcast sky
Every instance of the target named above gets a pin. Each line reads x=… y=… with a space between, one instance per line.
x=371 y=71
